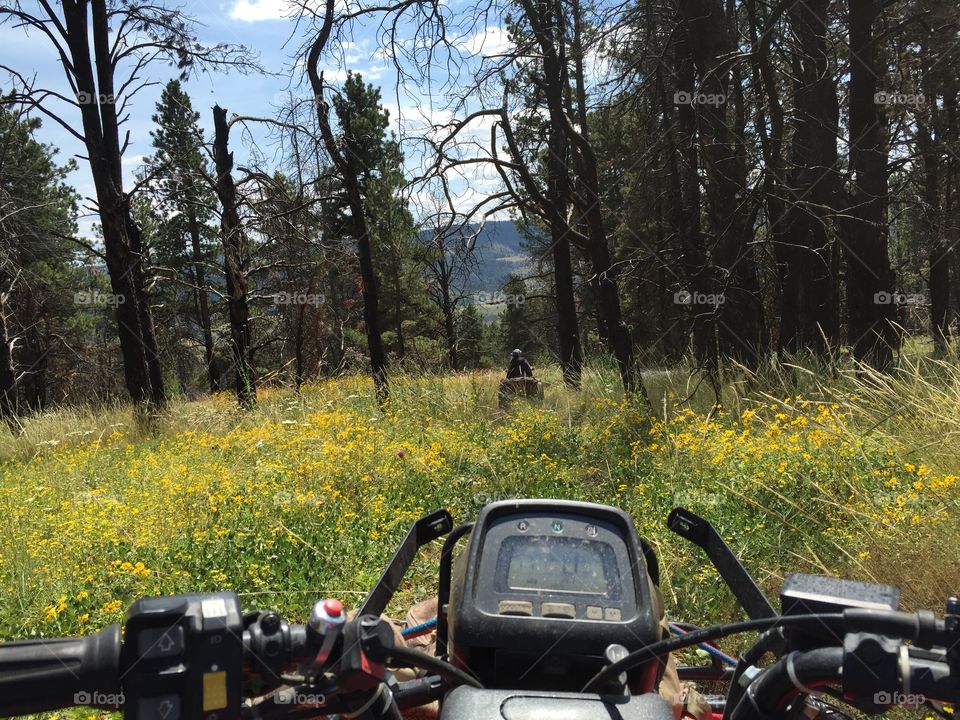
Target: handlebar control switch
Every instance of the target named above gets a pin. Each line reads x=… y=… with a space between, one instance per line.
x=269 y=647
x=870 y=669
x=182 y=658
x=362 y=664
x=376 y=638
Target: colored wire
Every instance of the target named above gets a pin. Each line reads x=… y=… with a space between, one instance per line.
x=418 y=630
x=716 y=652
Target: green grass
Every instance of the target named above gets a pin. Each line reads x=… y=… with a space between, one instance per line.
x=801 y=469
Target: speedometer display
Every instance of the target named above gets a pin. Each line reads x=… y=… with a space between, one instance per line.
x=544 y=587
x=571 y=566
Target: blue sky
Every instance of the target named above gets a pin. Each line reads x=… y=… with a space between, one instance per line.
x=266 y=28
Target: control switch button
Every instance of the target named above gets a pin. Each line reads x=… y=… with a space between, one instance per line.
x=558 y=610
x=214 y=690
x=611 y=614
x=159 y=707
x=515 y=607
x=160 y=642
x=594 y=612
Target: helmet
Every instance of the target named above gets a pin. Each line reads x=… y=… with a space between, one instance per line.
x=516 y=352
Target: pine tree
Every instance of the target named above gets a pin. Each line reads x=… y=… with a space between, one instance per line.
x=37 y=280
x=185 y=242
x=377 y=159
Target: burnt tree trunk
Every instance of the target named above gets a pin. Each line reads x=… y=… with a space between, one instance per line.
x=931 y=149
x=101 y=137
x=568 y=326
x=147 y=329
x=685 y=212
x=870 y=280
x=398 y=312
x=442 y=273
x=804 y=247
x=951 y=208
x=333 y=306
x=771 y=148
x=740 y=324
x=938 y=251
x=232 y=236
x=589 y=198
x=8 y=375
x=548 y=23
x=203 y=303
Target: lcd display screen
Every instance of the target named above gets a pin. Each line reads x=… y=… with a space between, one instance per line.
x=561 y=565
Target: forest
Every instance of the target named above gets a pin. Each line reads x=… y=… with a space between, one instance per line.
x=721 y=183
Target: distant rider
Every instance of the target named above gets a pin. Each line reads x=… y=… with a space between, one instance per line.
x=519 y=366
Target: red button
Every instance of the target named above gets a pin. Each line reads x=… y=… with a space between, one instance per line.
x=333 y=607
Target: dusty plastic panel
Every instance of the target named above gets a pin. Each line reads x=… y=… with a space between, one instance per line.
x=467 y=703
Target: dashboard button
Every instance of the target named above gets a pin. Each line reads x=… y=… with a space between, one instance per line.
x=594 y=612
x=611 y=614
x=515 y=607
x=558 y=610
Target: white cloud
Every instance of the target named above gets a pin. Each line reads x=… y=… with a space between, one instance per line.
x=335 y=77
x=258 y=10
x=491 y=41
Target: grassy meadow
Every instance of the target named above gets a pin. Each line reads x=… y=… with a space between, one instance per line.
x=802 y=469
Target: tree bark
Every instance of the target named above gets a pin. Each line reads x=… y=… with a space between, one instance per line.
x=203 y=303
x=685 y=213
x=870 y=280
x=232 y=236
x=355 y=201
x=548 y=22
x=568 y=330
x=8 y=375
x=741 y=332
x=442 y=273
x=101 y=137
x=804 y=246
x=930 y=147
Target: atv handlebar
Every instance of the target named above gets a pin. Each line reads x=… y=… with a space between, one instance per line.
x=41 y=675
x=916 y=680
x=199 y=657
x=874 y=671
x=55 y=673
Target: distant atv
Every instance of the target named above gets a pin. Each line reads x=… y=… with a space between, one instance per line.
x=527 y=387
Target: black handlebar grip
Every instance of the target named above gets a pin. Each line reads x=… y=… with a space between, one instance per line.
x=48 y=674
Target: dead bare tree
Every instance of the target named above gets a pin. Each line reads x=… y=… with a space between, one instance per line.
x=349 y=172
x=550 y=172
x=449 y=259
x=104 y=48
x=233 y=263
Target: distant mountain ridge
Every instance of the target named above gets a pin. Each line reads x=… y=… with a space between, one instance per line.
x=498 y=252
